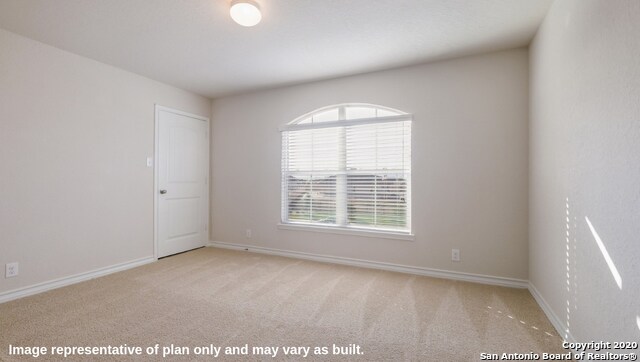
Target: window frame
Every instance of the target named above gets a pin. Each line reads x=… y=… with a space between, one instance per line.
x=377 y=232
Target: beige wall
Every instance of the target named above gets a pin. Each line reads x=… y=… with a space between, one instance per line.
x=585 y=163
x=469 y=164
x=76 y=194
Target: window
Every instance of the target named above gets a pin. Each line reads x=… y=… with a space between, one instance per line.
x=348 y=167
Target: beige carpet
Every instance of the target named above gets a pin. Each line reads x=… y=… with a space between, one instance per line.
x=234 y=298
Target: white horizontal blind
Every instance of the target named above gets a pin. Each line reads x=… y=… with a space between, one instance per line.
x=352 y=174
x=309 y=169
x=379 y=175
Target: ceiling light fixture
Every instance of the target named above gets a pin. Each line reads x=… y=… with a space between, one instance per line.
x=245 y=12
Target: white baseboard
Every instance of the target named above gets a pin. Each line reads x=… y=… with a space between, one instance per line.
x=437 y=273
x=557 y=323
x=61 y=282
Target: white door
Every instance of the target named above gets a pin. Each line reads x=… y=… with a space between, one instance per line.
x=181 y=181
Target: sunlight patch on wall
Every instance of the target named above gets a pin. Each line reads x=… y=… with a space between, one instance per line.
x=605 y=254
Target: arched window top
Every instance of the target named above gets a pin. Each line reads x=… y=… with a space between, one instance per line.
x=331 y=115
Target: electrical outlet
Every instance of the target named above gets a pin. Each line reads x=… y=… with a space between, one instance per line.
x=248 y=233
x=11 y=270
x=455 y=254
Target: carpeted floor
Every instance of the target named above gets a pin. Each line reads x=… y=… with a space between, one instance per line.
x=233 y=298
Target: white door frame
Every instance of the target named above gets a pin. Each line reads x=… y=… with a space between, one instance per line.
x=156 y=152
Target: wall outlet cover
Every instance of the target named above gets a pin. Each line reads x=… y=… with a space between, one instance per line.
x=11 y=270
x=455 y=254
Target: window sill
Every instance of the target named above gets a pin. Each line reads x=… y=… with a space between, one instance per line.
x=348 y=231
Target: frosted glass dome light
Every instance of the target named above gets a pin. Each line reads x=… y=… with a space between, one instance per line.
x=245 y=12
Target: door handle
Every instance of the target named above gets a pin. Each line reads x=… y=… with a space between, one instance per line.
x=162 y=192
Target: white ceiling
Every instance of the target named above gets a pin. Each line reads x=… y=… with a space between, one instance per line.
x=194 y=45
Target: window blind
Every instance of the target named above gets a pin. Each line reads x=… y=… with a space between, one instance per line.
x=349 y=173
